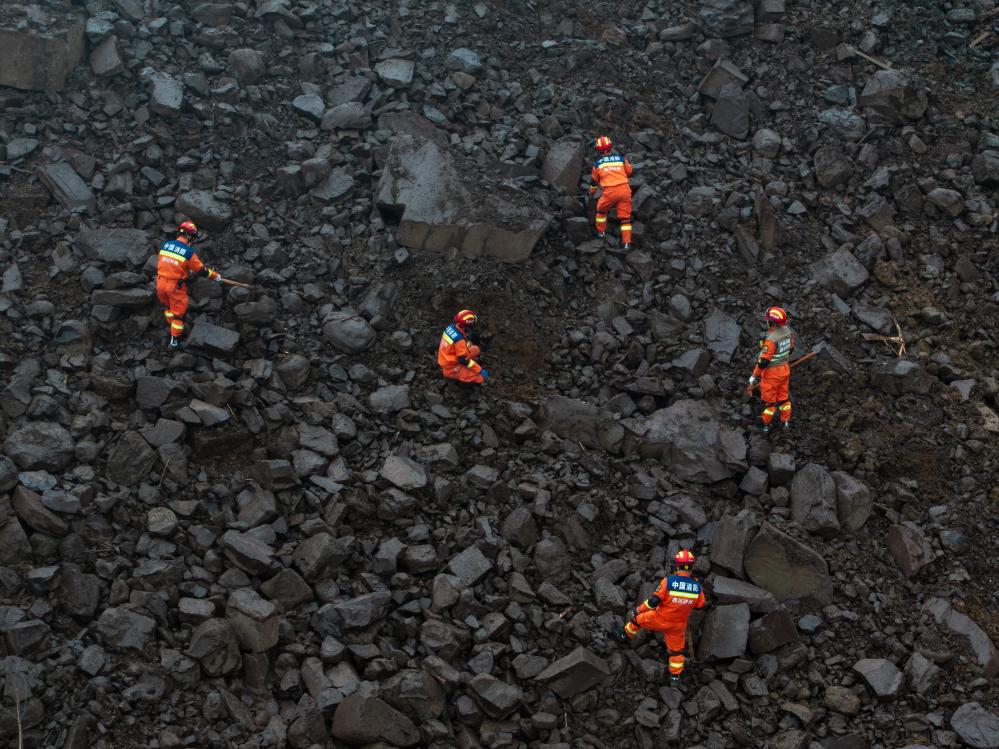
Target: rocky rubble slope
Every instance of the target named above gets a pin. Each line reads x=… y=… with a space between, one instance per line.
x=293 y=534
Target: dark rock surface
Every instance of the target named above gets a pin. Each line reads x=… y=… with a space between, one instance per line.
x=291 y=532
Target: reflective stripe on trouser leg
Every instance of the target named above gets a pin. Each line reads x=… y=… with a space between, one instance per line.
x=768 y=414
x=785 y=411
x=631 y=629
x=676 y=663
x=626 y=233
x=601 y=221
x=176 y=328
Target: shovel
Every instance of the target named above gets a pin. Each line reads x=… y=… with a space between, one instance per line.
x=826 y=353
x=230 y=282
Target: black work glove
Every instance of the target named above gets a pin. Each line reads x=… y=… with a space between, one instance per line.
x=480 y=339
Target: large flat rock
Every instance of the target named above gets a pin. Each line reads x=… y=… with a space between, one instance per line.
x=787 y=568
x=690 y=438
x=35 y=61
x=67 y=187
x=574 y=673
x=123 y=246
x=573 y=419
x=441 y=204
x=360 y=720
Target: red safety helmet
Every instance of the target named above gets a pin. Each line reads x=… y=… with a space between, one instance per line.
x=188 y=229
x=684 y=559
x=777 y=316
x=466 y=318
x=604 y=143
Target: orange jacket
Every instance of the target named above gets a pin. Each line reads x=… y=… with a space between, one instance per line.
x=671 y=604
x=456 y=351
x=610 y=171
x=775 y=351
x=178 y=260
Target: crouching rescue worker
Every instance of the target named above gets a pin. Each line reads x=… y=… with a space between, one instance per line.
x=773 y=371
x=177 y=261
x=667 y=611
x=457 y=353
x=610 y=174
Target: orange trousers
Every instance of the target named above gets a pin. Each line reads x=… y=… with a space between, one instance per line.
x=618 y=197
x=463 y=374
x=774 y=390
x=674 y=635
x=174 y=298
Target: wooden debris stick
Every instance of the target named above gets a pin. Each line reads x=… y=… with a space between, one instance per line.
x=890 y=341
x=980 y=38
x=876 y=61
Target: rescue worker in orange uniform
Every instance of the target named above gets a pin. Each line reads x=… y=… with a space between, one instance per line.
x=611 y=173
x=456 y=353
x=177 y=261
x=773 y=371
x=668 y=609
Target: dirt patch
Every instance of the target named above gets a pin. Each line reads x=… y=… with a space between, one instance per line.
x=515 y=355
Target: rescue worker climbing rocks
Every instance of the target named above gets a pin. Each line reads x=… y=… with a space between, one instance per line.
x=457 y=354
x=610 y=173
x=773 y=371
x=667 y=611
x=177 y=261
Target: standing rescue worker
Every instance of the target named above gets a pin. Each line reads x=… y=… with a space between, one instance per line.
x=611 y=173
x=773 y=371
x=177 y=261
x=668 y=609
x=456 y=353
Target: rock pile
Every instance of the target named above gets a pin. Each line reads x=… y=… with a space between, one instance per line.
x=291 y=533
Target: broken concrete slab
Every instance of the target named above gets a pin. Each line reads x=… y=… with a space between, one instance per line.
x=422 y=188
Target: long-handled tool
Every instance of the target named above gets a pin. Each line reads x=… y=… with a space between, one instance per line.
x=230 y=282
x=750 y=388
